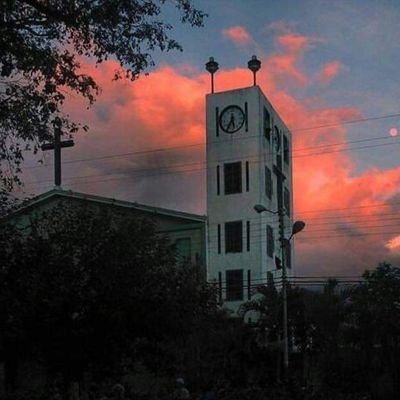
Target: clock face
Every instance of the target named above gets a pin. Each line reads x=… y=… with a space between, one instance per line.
x=231 y=119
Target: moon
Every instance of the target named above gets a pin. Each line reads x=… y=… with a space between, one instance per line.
x=393 y=132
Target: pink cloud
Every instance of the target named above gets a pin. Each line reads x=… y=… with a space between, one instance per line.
x=280 y=27
x=293 y=42
x=286 y=62
x=329 y=71
x=238 y=35
x=147 y=114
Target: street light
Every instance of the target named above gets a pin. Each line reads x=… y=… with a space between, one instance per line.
x=296 y=228
x=260 y=208
x=212 y=68
x=254 y=65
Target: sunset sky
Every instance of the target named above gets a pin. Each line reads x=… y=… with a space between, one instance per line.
x=324 y=64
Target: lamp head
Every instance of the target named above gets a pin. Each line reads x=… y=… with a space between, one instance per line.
x=212 y=66
x=254 y=64
x=259 y=208
x=297 y=227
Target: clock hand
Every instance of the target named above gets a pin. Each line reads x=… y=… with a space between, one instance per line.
x=232 y=122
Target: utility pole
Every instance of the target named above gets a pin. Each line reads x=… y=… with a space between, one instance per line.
x=282 y=240
x=281 y=213
x=296 y=228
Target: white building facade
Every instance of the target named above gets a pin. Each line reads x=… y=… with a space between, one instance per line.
x=248 y=163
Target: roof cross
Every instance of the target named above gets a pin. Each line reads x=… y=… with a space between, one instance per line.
x=57 y=145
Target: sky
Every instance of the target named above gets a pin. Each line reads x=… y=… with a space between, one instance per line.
x=330 y=69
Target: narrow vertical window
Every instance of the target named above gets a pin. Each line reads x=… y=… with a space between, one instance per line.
x=270 y=241
x=218 y=181
x=267 y=125
x=248 y=235
x=248 y=284
x=277 y=143
x=286 y=201
x=247 y=177
x=246 y=113
x=217 y=121
x=288 y=255
x=219 y=239
x=268 y=182
x=220 y=287
x=286 y=149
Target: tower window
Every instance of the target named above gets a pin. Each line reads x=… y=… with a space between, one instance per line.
x=267 y=125
x=247 y=176
x=220 y=287
x=233 y=178
x=219 y=238
x=288 y=255
x=277 y=144
x=270 y=241
x=248 y=235
x=268 y=182
x=234 y=284
x=285 y=149
x=248 y=284
x=233 y=237
x=286 y=201
x=218 y=181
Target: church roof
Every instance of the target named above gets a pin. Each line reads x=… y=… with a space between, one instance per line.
x=69 y=194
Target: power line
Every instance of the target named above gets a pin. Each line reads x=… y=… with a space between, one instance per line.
x=351 y=121
x=341 y=150
x=157 y=150
x=202 y=163
x=360 y=120
x=349 y=208
x=308 y=238
x=361 y=222
x=360 y=216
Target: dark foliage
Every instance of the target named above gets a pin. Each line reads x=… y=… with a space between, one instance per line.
x=41 y=46
x=81 y=289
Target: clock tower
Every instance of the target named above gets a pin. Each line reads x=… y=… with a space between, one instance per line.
x=248 y=163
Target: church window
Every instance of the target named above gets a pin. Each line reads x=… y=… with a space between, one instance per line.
x=233 y=237
x=234 y=284
x=286 y=201
x=267 y=124
x=270 y=241
x=233 y=177
x=184 y=248
x=268 y=182
x=285 y=149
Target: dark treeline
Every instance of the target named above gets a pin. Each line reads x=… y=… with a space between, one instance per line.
x=89 y=298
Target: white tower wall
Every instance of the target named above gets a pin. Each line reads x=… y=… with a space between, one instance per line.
x=250 y=146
